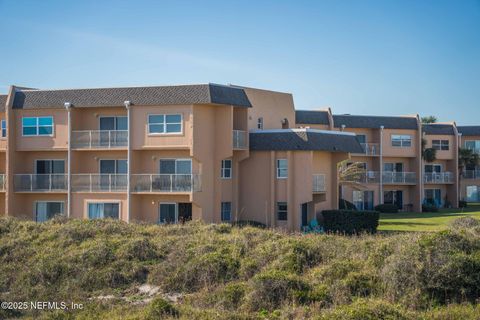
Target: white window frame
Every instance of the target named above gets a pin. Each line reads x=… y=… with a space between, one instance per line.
x=165 y=124
x=278 y=204
x=104 y=202
x=224 y=170
x=48 y=201
x=4 y=122
x=260 y=123
x=176 y=159
x=403 y=138
x=37 y=127
x=279 y=170
x=439 y=147
x=222 y=211
x=176 y=211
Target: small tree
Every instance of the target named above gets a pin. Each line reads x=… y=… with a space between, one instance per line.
x=429 y=119
x=350 y=174
x=466 y=157
x=428 y=154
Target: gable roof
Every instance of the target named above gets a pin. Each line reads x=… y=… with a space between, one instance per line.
x=469 y=130
x=3 y=102
x=147 y=96
x=304 y=139
x=374 y=122
x=311 y=117
x=438 y=128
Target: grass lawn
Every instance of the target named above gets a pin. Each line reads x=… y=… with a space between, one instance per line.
x=428 y=221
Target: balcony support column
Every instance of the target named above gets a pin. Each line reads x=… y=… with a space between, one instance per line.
x=380 y=178
x=129 y=155
x=68 y=106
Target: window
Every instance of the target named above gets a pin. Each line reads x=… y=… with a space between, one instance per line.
x=440 y=145
x=393 y=197
x=363 y=200
x=361 y=138
x=113 y=123
x=226 y=171
x=45 y=210
x=101 y=210
x=260 y=123
x=168 y=213
x=433 y=168
x=473 y=145
x=113 y=166
x=37 y=126
x=164 y=123
x=4 y=128
x=433 y=196
x=176 y=166
x=226 y=211
x=402 y=141
x=282 y=211
x=393 y=167
x=473 y=193
x=50 y=166
x=282 y=168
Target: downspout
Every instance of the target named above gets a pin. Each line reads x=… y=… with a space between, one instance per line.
x=380 y=196
x=68 y=107
x=458 y=178
x=129 y=156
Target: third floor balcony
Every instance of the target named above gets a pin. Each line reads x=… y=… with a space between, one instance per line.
x=40 y=182
x=165 y=183
x=240 y=140
x=438 y=177
x=370 y=149
x=471 y=174
x=99 y=139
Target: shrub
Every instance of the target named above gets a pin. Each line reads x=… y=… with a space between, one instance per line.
x=346 y=205
x=159 y=308
x=249 y=223
x=462 y=204
x=350 y=222
x=465 y=222
x=429 y=207
x=386 y=208
x=368 y=310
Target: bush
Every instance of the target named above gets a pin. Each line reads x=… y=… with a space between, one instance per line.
x=462 y=204
x=350 y=222
x=346 y=205
x=386 y=208
x=159 y=308
x=368 y=310
x=465 y=222
x=249 y=223
x=429 y=208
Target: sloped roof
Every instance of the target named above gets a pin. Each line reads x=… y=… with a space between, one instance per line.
x=311 y=117
x=304 y=139
x=3 y=102
x=374 y=122
x=469 y=130
x=147 y=96
x=438 y=128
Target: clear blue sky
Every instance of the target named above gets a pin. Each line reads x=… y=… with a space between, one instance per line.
x=359 y=57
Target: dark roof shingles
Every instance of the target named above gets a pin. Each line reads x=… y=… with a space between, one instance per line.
x=3 y=102
x=164 y=95
x=375 y=122
x=441 y=129
x=305 y=140
x=311 y=117
x=469 y=130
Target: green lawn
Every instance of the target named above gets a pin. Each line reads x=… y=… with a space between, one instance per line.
x=414 y=221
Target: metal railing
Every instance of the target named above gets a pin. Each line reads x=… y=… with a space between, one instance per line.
x=40 y=182
x=2 y=182
x=364 y=177
x=240 y=139
x=319 y=184
x=166 y=183
x=370 y=149
x=99 y=182
x=471 y=174
x=438 y=177
x=98 y=139
x=389 y=177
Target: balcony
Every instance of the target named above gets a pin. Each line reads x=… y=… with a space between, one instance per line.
x=40 y=182
x=471 y=174
x=99 y=139
x=370 y=149
x=240 y=140
x=399 y=177
x=438 y=177
x=99 y=182
x=318 y=184
x=166 y=183
x=364 y=177
x=2 y=183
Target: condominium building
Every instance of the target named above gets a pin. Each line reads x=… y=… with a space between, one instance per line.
x=211 y=152
x=470 y=179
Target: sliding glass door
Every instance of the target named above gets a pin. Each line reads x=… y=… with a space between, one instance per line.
x=101 y=210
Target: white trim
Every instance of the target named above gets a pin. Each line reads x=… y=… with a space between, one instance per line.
x=1 y=129
x=119 y=202
x=164 y=124
x=222 y=170
x=277 y=168
x=401 y=139
x=176 y=211
x=37 y=127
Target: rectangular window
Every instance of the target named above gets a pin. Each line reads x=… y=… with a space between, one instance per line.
x=164 y=123
x=168 y=213
x=363 y=200
x=433 y=197
x=176 y=166
x=362 y=138
x=433 y=168
x=101 y=210
x=282 y=168
x=226 y=211
x=111 y=123
x=226 y=172
x=440 y=145
x=473 y=145
x=4 y=128
x=50 y=166
x=45 y=210
x=282 y=211
x=260 y=123
x=402 y=141
x=393 y=197
x=37 y=126
x=393 y=167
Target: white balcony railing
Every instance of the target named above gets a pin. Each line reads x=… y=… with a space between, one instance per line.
x=99 y=139
x=40 y=182
x=370 y=149
x=2 y=182
x=438 y=177
x=99 y=182
x=364 y=177
x=167 y=183
x=240 y=139
x=319 y=184
x=471 y=174
x=389 y=177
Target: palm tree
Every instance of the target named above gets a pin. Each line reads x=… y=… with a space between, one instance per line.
x=350 y=174
x=466 y=157
x=428 y=154
x=429 y=119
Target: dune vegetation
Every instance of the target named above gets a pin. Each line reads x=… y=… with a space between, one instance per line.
x=198 y=271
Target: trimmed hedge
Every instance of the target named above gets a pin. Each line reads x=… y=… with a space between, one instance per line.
x=386 y=208
x=350 y=222
x=462 y=204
